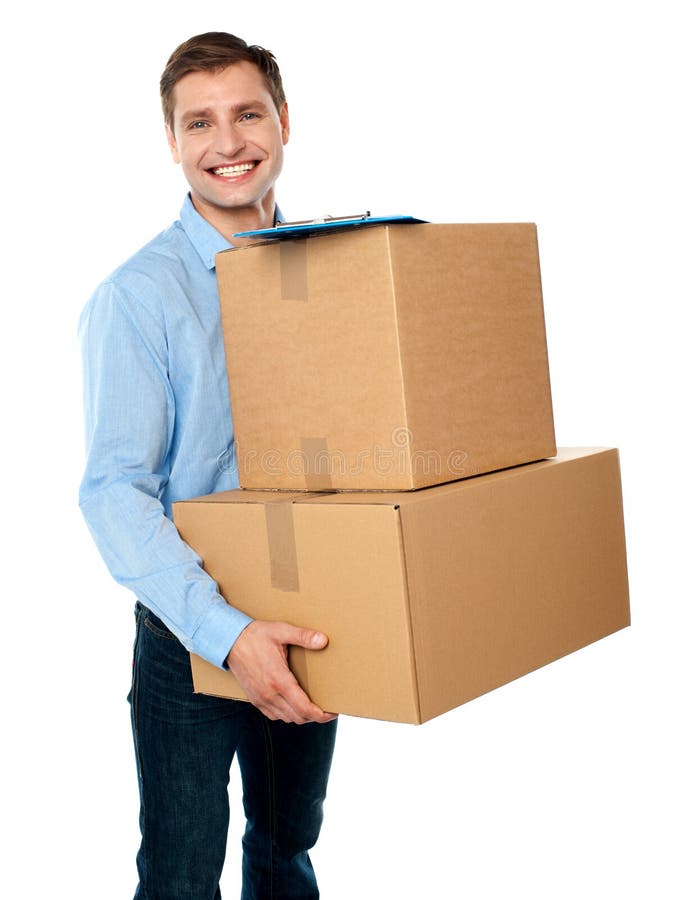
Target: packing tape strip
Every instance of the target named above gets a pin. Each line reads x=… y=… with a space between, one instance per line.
x=315 y=451
x=293 y=270
x=280 y=533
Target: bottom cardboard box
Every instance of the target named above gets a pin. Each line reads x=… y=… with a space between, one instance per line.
x=430 y=598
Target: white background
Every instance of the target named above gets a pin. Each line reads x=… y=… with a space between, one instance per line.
x=574 y=782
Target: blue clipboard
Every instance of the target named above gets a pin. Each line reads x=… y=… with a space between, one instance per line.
x=284 y=230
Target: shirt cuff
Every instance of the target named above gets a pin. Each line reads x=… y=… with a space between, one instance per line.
x=217 y=633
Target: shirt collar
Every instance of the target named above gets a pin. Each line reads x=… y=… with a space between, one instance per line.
x=207 y=240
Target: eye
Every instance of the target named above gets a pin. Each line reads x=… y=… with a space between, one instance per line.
x=249 y=116
x=196 y=126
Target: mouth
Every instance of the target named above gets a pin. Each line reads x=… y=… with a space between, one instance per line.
x=234 y=171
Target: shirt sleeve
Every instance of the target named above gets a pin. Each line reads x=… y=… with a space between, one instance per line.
x=129 y=420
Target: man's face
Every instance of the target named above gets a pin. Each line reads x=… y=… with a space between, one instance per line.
x=228 y=137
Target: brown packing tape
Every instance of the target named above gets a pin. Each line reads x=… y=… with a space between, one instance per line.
x=315 y=453
x=280 y=533
x=293 y=270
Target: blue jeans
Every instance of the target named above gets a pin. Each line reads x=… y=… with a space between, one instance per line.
x=184 y=745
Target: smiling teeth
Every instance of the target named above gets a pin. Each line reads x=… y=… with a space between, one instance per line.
x=229 y=171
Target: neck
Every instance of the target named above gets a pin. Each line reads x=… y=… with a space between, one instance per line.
x=230 y=221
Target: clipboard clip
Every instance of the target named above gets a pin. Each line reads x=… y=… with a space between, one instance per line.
x=323 y=220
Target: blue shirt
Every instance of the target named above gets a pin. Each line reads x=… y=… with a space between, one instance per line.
x=159 y=427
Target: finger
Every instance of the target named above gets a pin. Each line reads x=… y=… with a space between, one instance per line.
x=280 y=709
x=302 y=707
x=302 y=637
x=293 y=705
x=290 y=702
x=284 y=699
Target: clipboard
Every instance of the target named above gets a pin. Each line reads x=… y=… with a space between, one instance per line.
x=306 y=227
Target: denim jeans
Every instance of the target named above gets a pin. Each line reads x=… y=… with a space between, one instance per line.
x=184 y=746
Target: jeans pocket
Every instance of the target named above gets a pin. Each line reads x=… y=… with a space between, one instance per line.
x=156 y=626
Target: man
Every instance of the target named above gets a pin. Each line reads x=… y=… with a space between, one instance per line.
x=159 y=429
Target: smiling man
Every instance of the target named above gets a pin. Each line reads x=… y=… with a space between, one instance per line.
x=158 y=430
x=228 y=131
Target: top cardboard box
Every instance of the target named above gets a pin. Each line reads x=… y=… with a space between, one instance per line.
x=391 y=357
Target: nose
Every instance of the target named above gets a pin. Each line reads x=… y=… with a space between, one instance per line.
x=229 y=140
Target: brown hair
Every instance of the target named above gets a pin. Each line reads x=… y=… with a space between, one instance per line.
x=209 y=52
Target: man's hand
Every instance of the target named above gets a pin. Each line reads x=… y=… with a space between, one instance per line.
x=258 y=660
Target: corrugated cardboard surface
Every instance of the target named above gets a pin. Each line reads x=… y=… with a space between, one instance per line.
x=350 y=565
x=538 y=559
x=473 y=343
x=405 y=356
x=430 y=598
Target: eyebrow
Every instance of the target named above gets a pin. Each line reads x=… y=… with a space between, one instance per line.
x=196 y=114
x=237 y=109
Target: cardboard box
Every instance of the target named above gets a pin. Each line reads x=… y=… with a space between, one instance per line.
x=429 y=598
x=391 y=357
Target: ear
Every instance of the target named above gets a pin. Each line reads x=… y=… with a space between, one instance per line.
x=171 y=140
x=284 y=123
